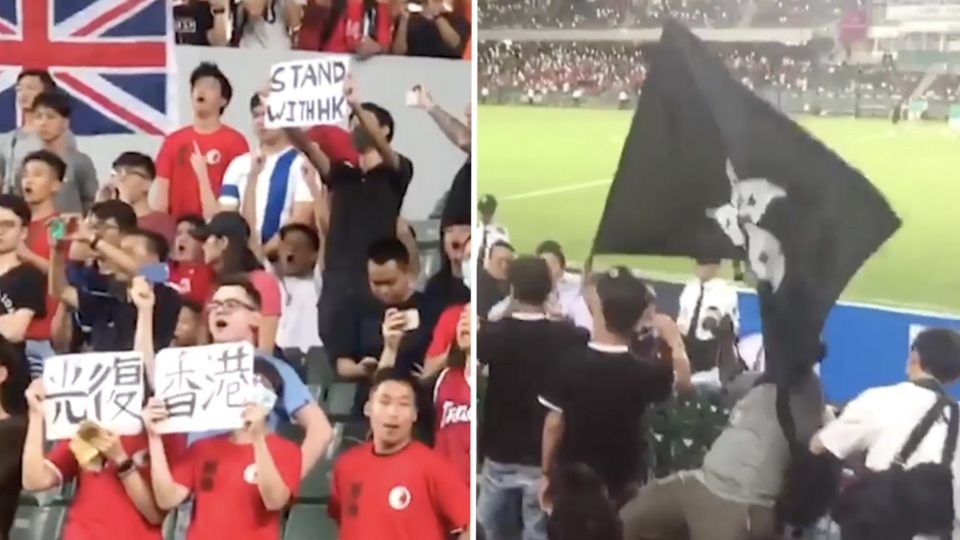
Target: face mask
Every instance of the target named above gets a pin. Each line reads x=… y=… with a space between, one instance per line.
x=466 y=270
x=361 y=139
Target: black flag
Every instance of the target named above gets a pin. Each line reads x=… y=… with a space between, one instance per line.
x=710 y=169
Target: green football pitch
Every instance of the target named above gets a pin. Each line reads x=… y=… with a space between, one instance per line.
x=551 y=168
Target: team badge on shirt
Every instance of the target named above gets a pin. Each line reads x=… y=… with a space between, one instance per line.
x=213 y=157
x=399 y=498
x=250 y=474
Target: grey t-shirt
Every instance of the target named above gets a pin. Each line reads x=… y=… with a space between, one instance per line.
x=748 y=460
x=79 y=188
x=264 y=33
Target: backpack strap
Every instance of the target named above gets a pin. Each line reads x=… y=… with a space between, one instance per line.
x=920 y=431
x=953 y=426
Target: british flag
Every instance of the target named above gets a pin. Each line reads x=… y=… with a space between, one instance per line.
x=112 y=56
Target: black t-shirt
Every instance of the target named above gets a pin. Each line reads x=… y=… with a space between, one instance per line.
x=423 y=36
x=113 y=318
x=13 y=431
x=23 y=287
x=490 y=291
x=521 y=355
x=603 y=395
x=363 y=209
x=191 y=22
x=360 y=335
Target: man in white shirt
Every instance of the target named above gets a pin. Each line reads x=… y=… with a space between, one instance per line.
x=566 y=300
x=704 y=301
x=272 y=177
x=490 y=233
x=879 y=420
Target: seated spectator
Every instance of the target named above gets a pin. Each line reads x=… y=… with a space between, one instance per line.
x=114 y=497
x=201 y=22
x=225 y=249
x=358 y=346
x=133 y=175
x=432 y=32
x=363 y=27
x=256 y=477
x=189 y=274
x=265 y=24
x=267 y=186
x=298 y=269
x=51 y=123
x=192 y=160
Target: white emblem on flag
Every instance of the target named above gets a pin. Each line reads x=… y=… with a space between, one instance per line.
x=749 y=199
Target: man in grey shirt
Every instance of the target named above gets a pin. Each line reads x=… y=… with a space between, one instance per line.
x=731 y=497
x=49 y=123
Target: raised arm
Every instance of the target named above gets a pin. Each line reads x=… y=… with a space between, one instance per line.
x=141 y=293
x=273 y=490
x=217 y=36
x=209 y=204
x=400 y=38
x=368 y=122
x=168 y=493
x=36 y=475
x=57 y=283
x=312 y=152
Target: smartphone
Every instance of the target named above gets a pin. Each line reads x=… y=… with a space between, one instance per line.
x=57 y=228
x=412 y=317
x=413 y=96
x=155 y=273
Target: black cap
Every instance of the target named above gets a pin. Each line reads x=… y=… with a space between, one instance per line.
x=223 y=224
x=487 y=204
x=457 y=208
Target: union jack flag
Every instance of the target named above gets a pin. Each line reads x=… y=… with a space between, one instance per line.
x=112 y=56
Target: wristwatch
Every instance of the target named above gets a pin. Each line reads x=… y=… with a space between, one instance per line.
x=126 y=467
x=218 y=10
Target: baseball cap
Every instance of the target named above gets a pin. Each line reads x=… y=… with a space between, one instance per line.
x=223 y=224
x=335 y=142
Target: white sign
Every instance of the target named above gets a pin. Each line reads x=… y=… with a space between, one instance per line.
x=104 y=387
x=204 y=388
x=308 y=92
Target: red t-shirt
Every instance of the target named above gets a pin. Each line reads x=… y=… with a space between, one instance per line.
x=267 y=285
x=38 y=240
x=160 y=223
x=101 y=507
x=445 y=331
x=173 y=163
x=192 y=280
x=222 y=477
x=451 y=401
x=413 y=494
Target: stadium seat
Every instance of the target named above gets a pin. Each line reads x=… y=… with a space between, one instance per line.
x=38 y=522
x=319 y=370
x=315 y=487
x=340 y=398
x=290 y=432
x=310 y=522
x=316 y=392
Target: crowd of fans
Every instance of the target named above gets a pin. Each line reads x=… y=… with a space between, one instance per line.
x=367 y=28
x=598 y=67
x=535 y=14
x=292 y=242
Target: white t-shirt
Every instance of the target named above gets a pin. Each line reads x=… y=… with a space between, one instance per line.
x=719 y=299
x=298 y=320
x=279 y=186
x=879 y=421
x=261 y=34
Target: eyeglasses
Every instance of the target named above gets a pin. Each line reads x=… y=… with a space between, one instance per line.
x=121 y=172
x=229 y=305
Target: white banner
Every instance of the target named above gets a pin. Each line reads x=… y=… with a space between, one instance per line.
x=106 y=388
x=204 y=388
x=308 y=92
x=923 y=12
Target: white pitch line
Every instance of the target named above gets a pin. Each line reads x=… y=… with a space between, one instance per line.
x=561 y=189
